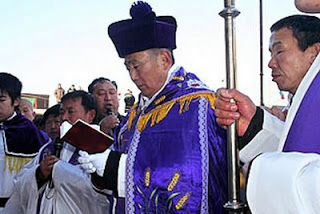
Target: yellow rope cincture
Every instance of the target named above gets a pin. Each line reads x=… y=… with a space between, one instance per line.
x=161 y=111
x=132 y=115
x=178 y=78
x=147 y=177
x=15 y=164
x=160 y=100
x=174 y=181
x=182 y=201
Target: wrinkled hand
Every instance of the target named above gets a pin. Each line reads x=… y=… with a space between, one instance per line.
x=109 y=122
x=47 y=164
x=93 y=163
x=232 y=105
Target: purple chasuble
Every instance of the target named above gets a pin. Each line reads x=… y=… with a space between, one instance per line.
x=305 y=129
x=176 y=152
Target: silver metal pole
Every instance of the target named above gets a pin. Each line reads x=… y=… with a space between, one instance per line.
x=261 y=52
x=233 y=205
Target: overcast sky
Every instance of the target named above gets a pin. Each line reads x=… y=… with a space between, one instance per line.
x=45 y=42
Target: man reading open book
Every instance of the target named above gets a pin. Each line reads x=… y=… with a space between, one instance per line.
x=52 y=185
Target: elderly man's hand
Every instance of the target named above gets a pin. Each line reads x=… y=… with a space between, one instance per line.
x=232 y=105
x=95 y=162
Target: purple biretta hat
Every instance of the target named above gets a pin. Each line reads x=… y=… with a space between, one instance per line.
x=144 y=31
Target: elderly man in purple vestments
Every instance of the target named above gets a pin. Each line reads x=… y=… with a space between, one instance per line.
x=20 y=139
x=281 y=182
x=170 y=154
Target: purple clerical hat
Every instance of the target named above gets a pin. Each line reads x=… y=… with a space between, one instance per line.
x=144 y=31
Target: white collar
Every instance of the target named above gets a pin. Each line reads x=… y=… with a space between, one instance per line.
x=10 y=118
x=298 y=97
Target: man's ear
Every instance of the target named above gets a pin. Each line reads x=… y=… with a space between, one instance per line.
x=92 y=114
x=165 y=59
x=314 y=51
x=16 y=101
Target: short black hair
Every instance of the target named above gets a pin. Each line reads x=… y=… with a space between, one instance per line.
x=87 y=101
x=11 y=85
x=53 y=110
x=306 y=29
x=101 y=80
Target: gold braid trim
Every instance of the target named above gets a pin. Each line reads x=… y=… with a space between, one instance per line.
x=161 y=111
x=15 y=164
x=178 y=78
x=159 y=100
x=132 y=115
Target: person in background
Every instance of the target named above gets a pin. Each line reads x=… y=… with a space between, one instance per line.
x=72 y=88
x=20 y=139
x=51 y=184
x=58 y=93
x=128 y=100
x=26 y=109
x=51 y=121
x=106 y=94
x=170 y=154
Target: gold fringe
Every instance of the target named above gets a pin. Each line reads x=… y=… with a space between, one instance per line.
x=160 y=112
x=174 y=181
x=143 y=120
x=182 y=201
x=15 y=164
x=132 y=115
x=147 y=177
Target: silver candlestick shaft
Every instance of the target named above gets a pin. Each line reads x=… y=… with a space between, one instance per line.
x=233 y=205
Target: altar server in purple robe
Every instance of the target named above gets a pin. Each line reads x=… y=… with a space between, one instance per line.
x=295 y=64
x=20 y=139
x=170 y=154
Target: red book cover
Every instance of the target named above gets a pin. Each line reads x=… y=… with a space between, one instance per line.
x=85 y=137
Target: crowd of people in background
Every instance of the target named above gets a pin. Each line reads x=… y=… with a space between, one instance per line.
x=128 y=96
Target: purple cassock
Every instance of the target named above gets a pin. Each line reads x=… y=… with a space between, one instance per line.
x=305 y=129
x=176 y=152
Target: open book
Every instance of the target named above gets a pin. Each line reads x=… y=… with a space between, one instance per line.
x=85 y=136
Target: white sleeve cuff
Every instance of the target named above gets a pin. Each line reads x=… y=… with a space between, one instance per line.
x=122 y=176
x=267 y=140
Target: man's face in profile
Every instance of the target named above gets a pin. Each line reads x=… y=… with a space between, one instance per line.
x=288 y=62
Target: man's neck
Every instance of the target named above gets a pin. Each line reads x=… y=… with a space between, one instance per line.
x=9 y=118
